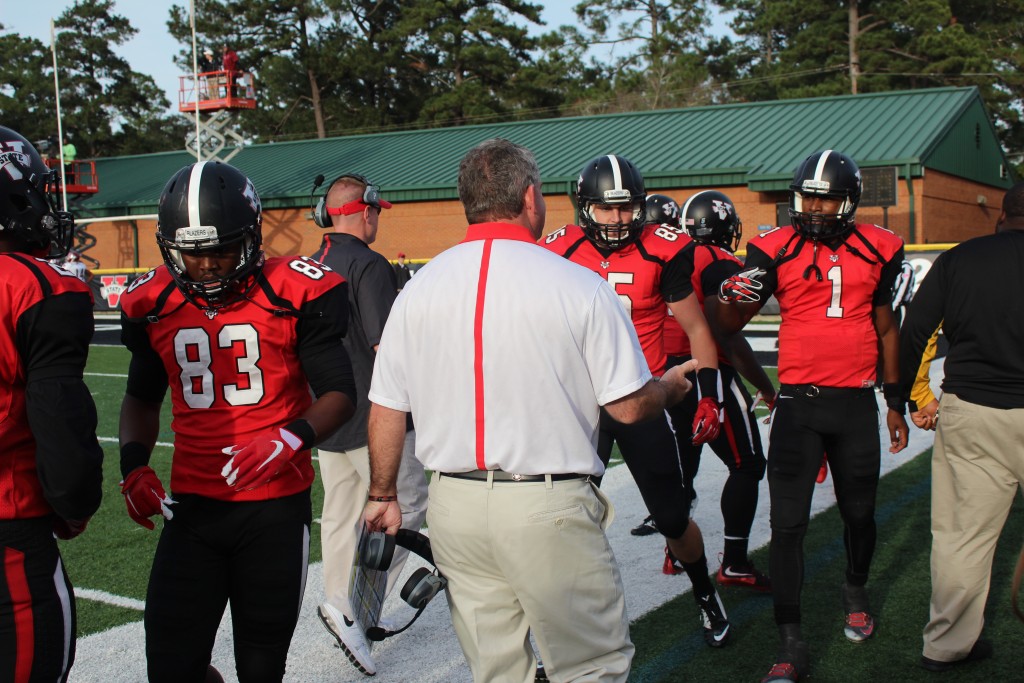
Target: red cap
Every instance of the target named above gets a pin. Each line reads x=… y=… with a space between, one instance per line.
x=401 y=254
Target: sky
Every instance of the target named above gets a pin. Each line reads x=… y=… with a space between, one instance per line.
x=152 y=49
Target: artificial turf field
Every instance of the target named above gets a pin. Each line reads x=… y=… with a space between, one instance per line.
x=109 y=566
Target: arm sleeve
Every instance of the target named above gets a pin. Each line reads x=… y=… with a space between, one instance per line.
x=147 y=376
x=715 y=273
x=924 y=315
x=322 y=325
x=887 y=280
x=675 y=278
x=53 y=340
x=758 y=259
x=921 y=393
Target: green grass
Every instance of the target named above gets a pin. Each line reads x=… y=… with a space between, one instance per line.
x=669 y=647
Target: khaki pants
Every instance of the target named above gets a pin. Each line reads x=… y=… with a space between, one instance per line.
x=531 y=557
x=346 y=479
x=977 y=467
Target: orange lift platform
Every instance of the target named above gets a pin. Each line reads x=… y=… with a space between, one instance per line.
x=216 y=90
x=78 y=177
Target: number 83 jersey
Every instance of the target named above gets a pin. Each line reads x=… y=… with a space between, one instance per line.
x=646 y=274
x=235 y=371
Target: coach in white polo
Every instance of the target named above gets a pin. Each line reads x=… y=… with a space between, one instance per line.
x=503 y=352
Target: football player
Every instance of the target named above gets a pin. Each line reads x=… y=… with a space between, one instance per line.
x=50 y=461
x=650 y=266
x=237 y=337
x=710 y=218
x=833 y=279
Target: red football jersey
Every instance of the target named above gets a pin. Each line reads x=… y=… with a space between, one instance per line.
x=711 y=265
x=827 y=335
x=231 y=375
x=26 y=281
x=646 y=274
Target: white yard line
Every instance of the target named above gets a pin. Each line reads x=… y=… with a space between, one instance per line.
x=104 y=374
x=109 y=598
x=114 y=439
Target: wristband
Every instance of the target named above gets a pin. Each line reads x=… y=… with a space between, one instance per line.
x=133 y=455
x=894 y=399
x=302 y=429
x=382 y=499
x=709 y=383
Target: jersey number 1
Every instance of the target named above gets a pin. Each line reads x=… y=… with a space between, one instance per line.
x=835 y=276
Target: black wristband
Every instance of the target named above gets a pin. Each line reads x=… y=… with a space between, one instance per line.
x=133 y=455
x=302 y=429
x=708 y=382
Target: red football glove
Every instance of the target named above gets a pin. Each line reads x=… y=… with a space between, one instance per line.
x=145 y=496
x=744 y=286
x=262 y=459
x=823 y=472
x=66 y=529
x=707 y=421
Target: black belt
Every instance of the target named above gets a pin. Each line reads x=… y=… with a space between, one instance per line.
x=815 y=391
x=501 y=475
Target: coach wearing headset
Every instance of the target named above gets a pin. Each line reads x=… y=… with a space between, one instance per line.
x=351 y=209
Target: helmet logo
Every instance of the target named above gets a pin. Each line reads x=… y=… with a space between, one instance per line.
x=723 y=209
x=250 y=195
x=10 y=162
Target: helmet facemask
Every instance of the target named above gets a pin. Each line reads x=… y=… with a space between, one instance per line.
x=218 y=291
x=27 y=213
x=817 y=226
x=612 y=235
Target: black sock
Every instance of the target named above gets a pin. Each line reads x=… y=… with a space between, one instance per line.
x=698 y=573
x=735 y=554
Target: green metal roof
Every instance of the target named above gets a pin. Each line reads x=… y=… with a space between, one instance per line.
x=757 y=144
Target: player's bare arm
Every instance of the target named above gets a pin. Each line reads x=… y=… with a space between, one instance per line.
x=889 y=338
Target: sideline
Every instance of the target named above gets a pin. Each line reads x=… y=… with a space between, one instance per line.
x=429 y=652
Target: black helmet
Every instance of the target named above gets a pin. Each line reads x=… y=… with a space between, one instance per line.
x=207 y=206
x=26 y=211
x=611 y=180
x=709 y=217
x=831 y=175
x=663 y=210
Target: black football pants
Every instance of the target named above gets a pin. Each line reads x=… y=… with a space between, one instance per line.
x=37 y=605
x=806 y=424
x=252 y=555
x=649 y=451
x=738 y=446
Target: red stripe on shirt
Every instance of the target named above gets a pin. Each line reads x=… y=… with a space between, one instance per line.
x=21 y=597
x=478 y=352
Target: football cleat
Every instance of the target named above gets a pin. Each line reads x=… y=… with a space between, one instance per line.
x=859 y=624
x=672 y=565
x=791 y=662
x=645 y=528
x=744 y=576
x=350 y=637
x=713 y=620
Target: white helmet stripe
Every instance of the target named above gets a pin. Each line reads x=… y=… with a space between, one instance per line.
x=193 y=194
x=616 y=171
x=822 y=160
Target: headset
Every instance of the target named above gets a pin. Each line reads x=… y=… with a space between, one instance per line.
x=378 y=551
x=322 y=214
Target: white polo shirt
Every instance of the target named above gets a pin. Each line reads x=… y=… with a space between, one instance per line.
x=503 y=352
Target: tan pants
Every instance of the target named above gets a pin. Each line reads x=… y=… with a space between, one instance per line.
x=530 y=557
x=977 y=467
x=346 y=479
